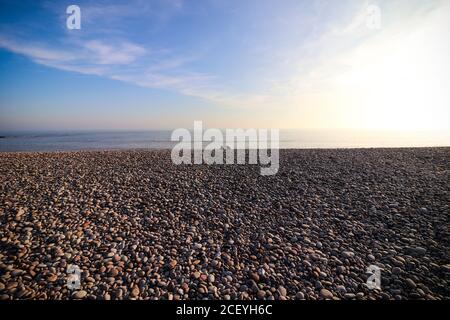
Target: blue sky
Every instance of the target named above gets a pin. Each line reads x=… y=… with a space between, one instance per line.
x=164 y=63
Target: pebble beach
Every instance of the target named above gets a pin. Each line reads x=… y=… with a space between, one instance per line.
x=140 y=227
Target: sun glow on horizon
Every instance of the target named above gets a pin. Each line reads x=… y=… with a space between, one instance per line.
x=400 y=79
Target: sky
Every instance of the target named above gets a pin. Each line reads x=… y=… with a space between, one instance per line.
x=160 y=64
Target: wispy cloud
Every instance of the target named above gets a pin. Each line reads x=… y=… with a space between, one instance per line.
x=35 y=51
x=124 y=60
x=129 y=62
x=125 y=53
x=107 y=51
x=332 y=54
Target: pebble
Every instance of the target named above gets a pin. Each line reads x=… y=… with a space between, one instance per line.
x=416 y=251
x=348 y=254
x=341 y=269
x=173 y=263
x=113 y=272
x=255 y=276
x=282 y=291
x=79 y=294
x=135 y=292
x=326 y=294
x=52 y=278
x=4 y=297
x=261 y=294
x=396 y=270
x=300 y=296
x=410 y=283
x=349 y=296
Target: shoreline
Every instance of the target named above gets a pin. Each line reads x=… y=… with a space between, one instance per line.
x=169 y=149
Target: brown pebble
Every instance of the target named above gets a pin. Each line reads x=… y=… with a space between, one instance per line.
x=326 y=294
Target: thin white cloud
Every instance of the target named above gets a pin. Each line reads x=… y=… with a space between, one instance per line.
x=129 y=62
x=36 y=51
x=88 y=70
x=331 y=53
x=103 y=53
x=110 y=17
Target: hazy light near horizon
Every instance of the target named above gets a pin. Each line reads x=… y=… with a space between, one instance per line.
x=398 y=79
x=404 y=77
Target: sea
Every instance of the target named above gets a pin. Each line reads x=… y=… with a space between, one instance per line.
x=161 y=139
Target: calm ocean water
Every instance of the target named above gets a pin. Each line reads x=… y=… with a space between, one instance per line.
x=94 y=140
